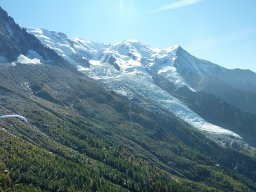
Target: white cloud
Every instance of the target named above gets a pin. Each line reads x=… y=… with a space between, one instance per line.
x=175 y=5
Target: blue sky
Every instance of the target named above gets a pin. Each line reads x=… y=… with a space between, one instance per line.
x=222 y=31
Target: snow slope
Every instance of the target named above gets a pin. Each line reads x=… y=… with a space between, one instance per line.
x=22 y=59
x=127 y=68
x=76 y=51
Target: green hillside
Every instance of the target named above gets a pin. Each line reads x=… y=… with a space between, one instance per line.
x=80 y=137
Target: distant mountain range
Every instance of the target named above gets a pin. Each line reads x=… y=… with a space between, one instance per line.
x=121 y=117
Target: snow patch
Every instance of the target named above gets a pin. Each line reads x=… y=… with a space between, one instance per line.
x=22 y=59
x=94 y=62
x=82 y=69
x=167 y=69
x=26 y=86
x=172 y=49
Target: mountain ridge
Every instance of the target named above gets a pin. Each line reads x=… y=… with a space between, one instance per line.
x=132 y=45
x=113 y=124
x=127 y=68
x=18 y=46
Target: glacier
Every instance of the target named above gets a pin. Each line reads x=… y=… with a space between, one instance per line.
x=127 y=68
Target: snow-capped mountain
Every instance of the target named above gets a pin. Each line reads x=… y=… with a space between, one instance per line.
x=19 y=47
x=129 y=67
x=77 y=51
x=125 y=57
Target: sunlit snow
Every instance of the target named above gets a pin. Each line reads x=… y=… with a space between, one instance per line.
x=127 y=68
x=22 y=59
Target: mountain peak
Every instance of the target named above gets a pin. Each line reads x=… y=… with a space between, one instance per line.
x=175 y=48
x=48 y=35
x=131 y=43
x=15 y=42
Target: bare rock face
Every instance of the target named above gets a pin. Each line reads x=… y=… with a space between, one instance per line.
x=15 y=41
